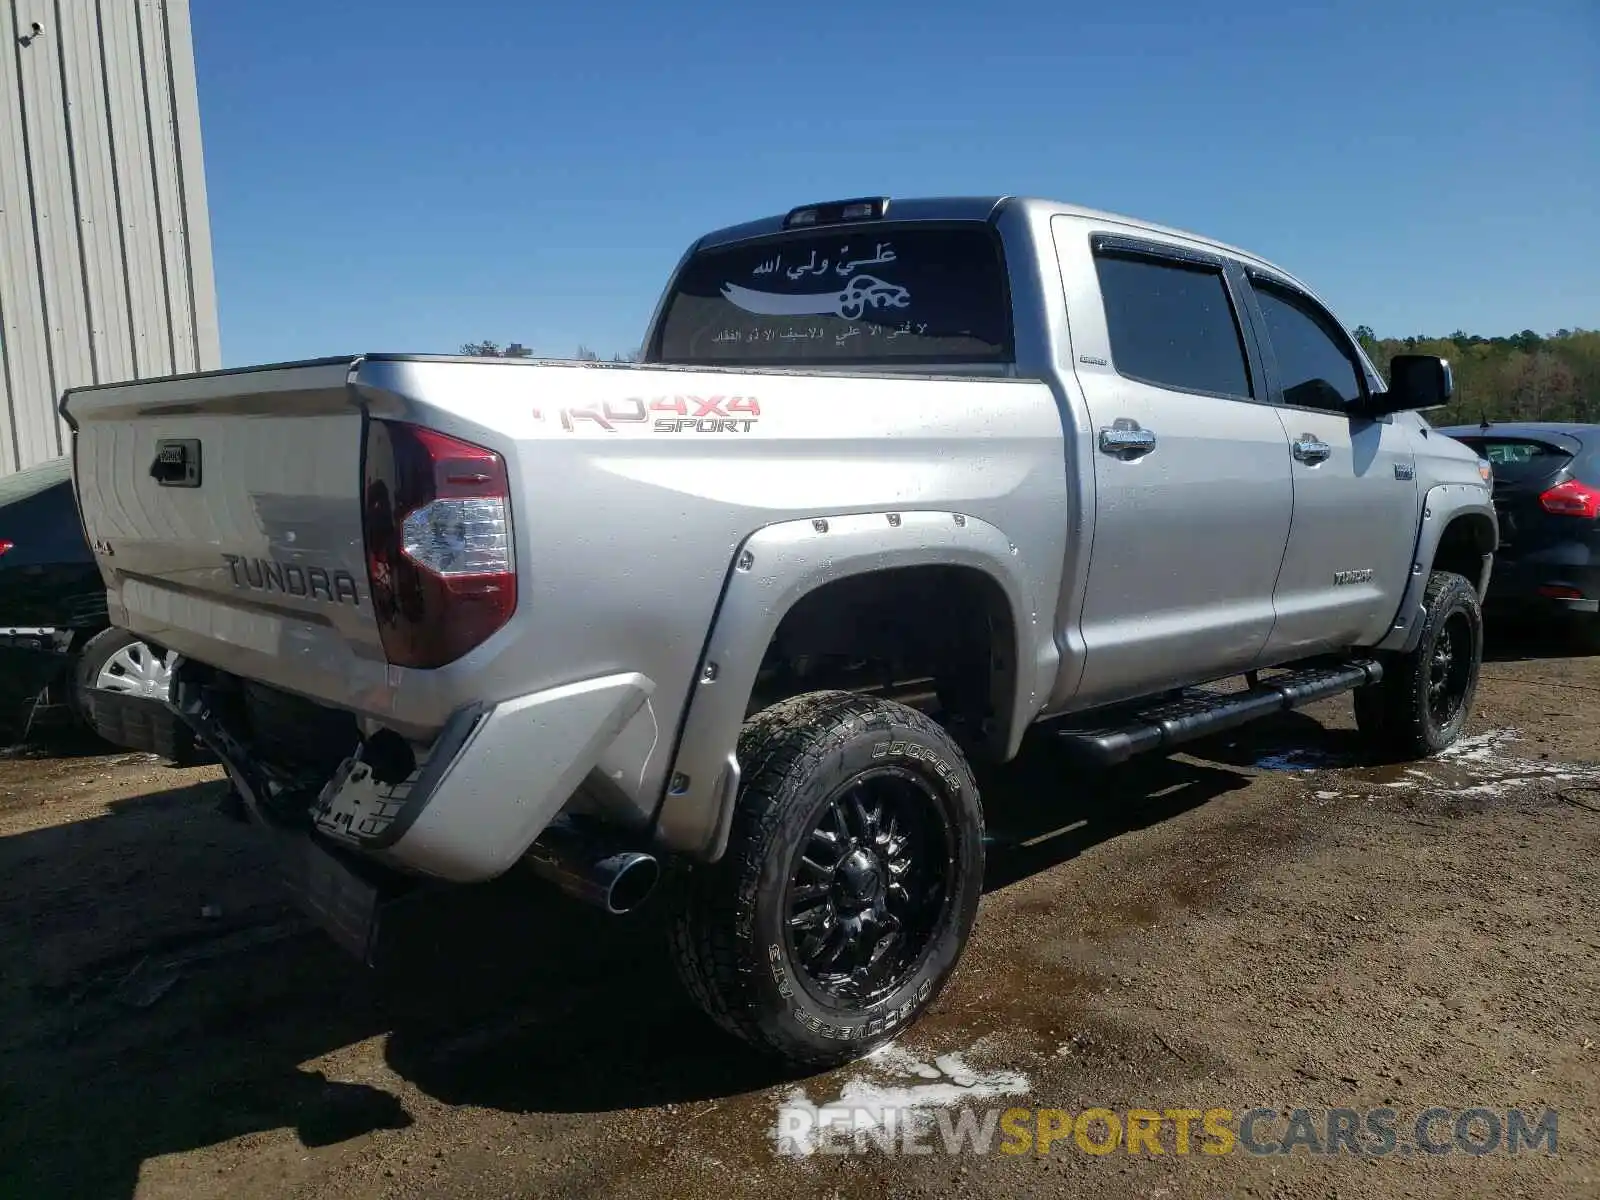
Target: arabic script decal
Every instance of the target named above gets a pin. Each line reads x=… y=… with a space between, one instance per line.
x=882 y=253
x=861 y=293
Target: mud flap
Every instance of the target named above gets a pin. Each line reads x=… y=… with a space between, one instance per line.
x=343 y=904
x=346 y=897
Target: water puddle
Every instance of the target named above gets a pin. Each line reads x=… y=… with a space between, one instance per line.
x=1482 y=766
x=883 y=1097
x=1300 y=760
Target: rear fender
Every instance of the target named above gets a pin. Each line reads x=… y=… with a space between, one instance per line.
x=774 y=569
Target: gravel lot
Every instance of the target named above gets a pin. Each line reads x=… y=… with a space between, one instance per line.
x=1263 y=922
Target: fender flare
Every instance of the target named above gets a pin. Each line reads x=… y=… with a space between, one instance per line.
x=772 y=570
x=1441 y=505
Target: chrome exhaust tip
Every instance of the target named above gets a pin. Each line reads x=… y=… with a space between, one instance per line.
x=590 y=868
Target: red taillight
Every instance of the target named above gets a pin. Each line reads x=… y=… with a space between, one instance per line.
x=439 y=545
x=1559 y=591
x=1572 y=499
x=5 y=545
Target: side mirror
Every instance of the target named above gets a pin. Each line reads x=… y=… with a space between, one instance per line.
x=1416 y=381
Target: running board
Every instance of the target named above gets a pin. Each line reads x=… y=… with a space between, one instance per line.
x=1198 y=713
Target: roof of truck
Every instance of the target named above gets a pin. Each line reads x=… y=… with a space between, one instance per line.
x=982 y=208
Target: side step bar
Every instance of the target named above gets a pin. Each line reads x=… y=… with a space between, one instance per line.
x=1198 y=713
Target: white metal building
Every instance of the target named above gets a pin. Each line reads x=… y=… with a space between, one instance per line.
x=105 y=246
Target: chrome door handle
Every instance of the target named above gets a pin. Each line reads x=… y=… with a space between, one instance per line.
x=1126 y=439
x=1311 y=450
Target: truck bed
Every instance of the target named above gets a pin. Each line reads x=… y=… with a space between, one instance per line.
x=257 y=565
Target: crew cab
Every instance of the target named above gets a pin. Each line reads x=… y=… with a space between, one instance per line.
x=896 y=482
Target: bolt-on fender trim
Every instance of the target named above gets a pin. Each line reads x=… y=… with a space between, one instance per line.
x=1441 y=505
x=772 y=570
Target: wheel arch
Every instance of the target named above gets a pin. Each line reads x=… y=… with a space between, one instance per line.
x=1458 y=532
x=1466 y=547
x=797 y=570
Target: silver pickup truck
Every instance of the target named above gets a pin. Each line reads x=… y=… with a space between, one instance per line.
x=894 y=483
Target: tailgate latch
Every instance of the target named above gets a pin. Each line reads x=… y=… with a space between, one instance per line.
x=177 y=463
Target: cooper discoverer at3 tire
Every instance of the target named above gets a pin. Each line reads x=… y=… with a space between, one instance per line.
x=850 y=882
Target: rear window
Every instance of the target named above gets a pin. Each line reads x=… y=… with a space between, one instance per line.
x=857 y=295
x=30 y=481
x=1512 y=457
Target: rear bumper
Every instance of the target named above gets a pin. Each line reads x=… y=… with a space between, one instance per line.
x=468 y=808
x=1559 y=580
x=497 y=777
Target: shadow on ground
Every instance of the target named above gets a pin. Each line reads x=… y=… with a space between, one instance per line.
x=55 y=738
x=160 y=995
x=1518 y=637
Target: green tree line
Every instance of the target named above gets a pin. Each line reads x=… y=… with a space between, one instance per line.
x=491 y=349
x=1524 y=377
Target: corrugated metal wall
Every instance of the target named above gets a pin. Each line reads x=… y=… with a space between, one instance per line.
x=105 y=246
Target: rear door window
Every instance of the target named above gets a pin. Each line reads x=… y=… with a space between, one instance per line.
x=1519 y=458
x=846 y=296
x=1172 y=324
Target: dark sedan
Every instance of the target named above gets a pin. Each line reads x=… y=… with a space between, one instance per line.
x=57 y=649
x=1547 y=496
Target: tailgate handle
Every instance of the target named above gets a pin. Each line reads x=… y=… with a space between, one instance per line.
x=177 y=463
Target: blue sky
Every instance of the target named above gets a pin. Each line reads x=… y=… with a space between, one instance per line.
x=397 y=175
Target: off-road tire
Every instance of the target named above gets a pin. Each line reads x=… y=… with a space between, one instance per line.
x=729 y=925
x=145 y=725
x=1394 y=714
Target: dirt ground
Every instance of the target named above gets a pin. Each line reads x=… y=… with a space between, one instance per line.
x=1264 y=922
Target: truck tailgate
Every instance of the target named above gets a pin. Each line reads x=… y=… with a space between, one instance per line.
x=225 y=512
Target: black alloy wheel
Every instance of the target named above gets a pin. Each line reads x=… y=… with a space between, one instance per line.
x=868 y=886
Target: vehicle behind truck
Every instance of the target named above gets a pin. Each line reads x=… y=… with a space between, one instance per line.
x=895 y=483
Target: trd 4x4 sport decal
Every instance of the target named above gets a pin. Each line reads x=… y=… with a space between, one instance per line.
x=665 y=414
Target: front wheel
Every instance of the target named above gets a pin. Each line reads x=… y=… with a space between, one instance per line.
x=850 y=882
x=1422 y=703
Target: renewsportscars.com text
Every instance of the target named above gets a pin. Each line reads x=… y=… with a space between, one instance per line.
x=1373 y=1132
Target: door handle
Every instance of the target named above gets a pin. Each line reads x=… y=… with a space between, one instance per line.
x=1311 y=450
x=1126 y=440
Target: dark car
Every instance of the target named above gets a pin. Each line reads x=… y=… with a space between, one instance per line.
x=1547 y=497
x=57 y=647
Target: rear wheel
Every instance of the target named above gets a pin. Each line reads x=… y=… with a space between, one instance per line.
x=1422 y=703
x=850 y=882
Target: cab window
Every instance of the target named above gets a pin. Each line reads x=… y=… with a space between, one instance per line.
x=1316 y=367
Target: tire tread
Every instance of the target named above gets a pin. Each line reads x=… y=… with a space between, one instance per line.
x=1391 y=712
x=793 y=737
